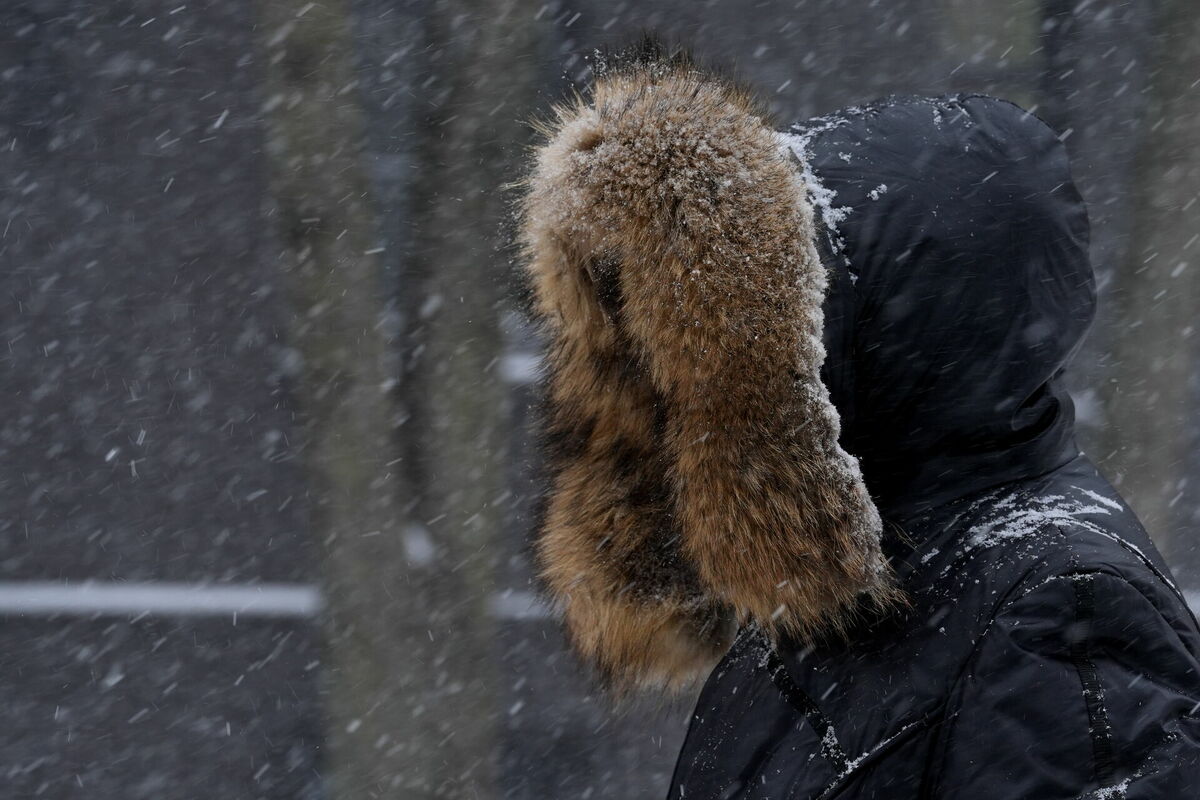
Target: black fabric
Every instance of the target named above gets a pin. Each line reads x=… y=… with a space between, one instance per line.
x=967 y=287
x=1045 y=652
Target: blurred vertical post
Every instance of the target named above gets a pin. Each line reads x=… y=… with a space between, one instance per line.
x=331 y=272
x=479 y=80
x=405 y=416
x=1151 y=399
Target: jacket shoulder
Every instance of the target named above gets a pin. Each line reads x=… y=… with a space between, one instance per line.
x=1101 y=669
x=1081 y=643
x=1016 y=536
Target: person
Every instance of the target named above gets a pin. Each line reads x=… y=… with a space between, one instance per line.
x=962 y=608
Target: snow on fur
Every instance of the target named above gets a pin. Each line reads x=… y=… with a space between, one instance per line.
x=695 y=479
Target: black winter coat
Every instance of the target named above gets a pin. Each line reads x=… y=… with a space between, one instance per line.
x=1045 y=652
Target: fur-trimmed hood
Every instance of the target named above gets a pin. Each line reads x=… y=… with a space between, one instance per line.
x=694 y=480
x=1043 y=650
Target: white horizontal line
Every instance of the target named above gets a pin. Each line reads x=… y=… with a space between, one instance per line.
x=45 y=598
x=48 y=598
x=100 y=598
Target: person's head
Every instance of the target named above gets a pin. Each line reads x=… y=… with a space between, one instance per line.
x=960 y=287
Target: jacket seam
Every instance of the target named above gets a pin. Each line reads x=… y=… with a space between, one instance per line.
x=1099 y=729
x=902 y=734
x=831 y=748
x=799 y=700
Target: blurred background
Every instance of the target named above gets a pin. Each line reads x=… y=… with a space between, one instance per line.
x=264 y=467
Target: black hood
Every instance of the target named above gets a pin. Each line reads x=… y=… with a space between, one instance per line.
x=961 y=286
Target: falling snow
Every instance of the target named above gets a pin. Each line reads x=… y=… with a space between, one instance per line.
x=267 y=476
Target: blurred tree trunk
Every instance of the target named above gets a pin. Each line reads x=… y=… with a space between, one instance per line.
x=480 y=79
x=332 y=276
x=1150 y=400
x=1096 y=60
x=403 y=438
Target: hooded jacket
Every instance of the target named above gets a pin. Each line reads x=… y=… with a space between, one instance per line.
x=968 y=610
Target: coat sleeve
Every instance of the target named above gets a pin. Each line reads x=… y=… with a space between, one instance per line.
x=1085 y=687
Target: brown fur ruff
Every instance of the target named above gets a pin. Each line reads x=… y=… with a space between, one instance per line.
x=695 y=479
